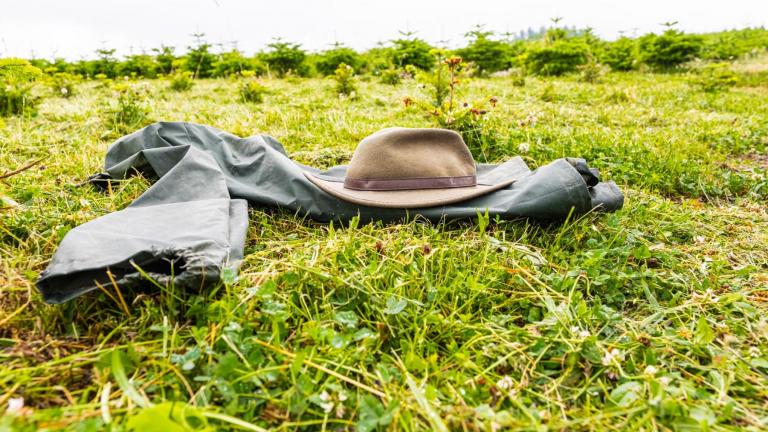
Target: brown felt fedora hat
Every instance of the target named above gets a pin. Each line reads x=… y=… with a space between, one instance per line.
x=409 y=168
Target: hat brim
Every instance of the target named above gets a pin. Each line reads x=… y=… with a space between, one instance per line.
x=414 y=198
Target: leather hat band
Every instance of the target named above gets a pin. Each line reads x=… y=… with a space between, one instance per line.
x=410 y=183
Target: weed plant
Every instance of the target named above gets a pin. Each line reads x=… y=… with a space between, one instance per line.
x=182 y=82
x=251 y=90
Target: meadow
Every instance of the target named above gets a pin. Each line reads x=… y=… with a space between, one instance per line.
x=650 y=318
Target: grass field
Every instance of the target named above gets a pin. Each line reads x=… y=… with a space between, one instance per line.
x=652 y=318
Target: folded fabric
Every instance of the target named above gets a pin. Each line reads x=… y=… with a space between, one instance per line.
x=191 y=223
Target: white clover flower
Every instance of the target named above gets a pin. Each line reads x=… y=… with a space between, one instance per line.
x=762 y=325
x=665 y=380
x=560 y=309
x=328 y=402
x=327 y=406
x=729 y=340
x=650 y=370
x=523 y=147
x=754 y=351
x=611 y=356
x=64 y=90
x=580 y=332
x=489 y=349
x=340 y=410
x=15 y=405
x=704 y=266
x=708 y=295
x=505 y=383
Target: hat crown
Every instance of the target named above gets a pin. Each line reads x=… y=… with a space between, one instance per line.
x=396 y=154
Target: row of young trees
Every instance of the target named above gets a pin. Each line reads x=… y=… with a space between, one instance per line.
x=556 y=51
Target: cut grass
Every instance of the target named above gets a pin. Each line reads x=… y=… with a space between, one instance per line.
x=650 y=318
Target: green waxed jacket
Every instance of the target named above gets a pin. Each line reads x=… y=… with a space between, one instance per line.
x=191 y=223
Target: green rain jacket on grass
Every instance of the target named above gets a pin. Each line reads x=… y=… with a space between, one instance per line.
x=191 y=223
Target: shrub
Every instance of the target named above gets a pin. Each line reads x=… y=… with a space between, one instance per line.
x=557 y=58
x=409 y=72
x=16 y=77
x=549 y=93
x=412 y=51
x=106 y=64
x=593 y=42
x=668 y=50
x=716 y=77
x=164 y=58
x=18 y=70
x=592 y=72
x=518 y=76
x=143 y=65
x=182 y=81
x=470 y=120
x=17 y=99
x=64 y=84
x=103 y=81
x=251 y=90
x=487 y=54
x=132 y=109
x=345 y=80
x=45 y=65
x=199 y=59
x=234 y=62
x=466 y=118
x=329 y=61
x=283 y=57
x=723 y=47
x=443 y=79
x=377 y=59
x=732 y=44
x=621 y=54
x=390 y=76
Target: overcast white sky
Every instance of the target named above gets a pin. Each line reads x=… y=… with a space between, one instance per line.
x=76 y=28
